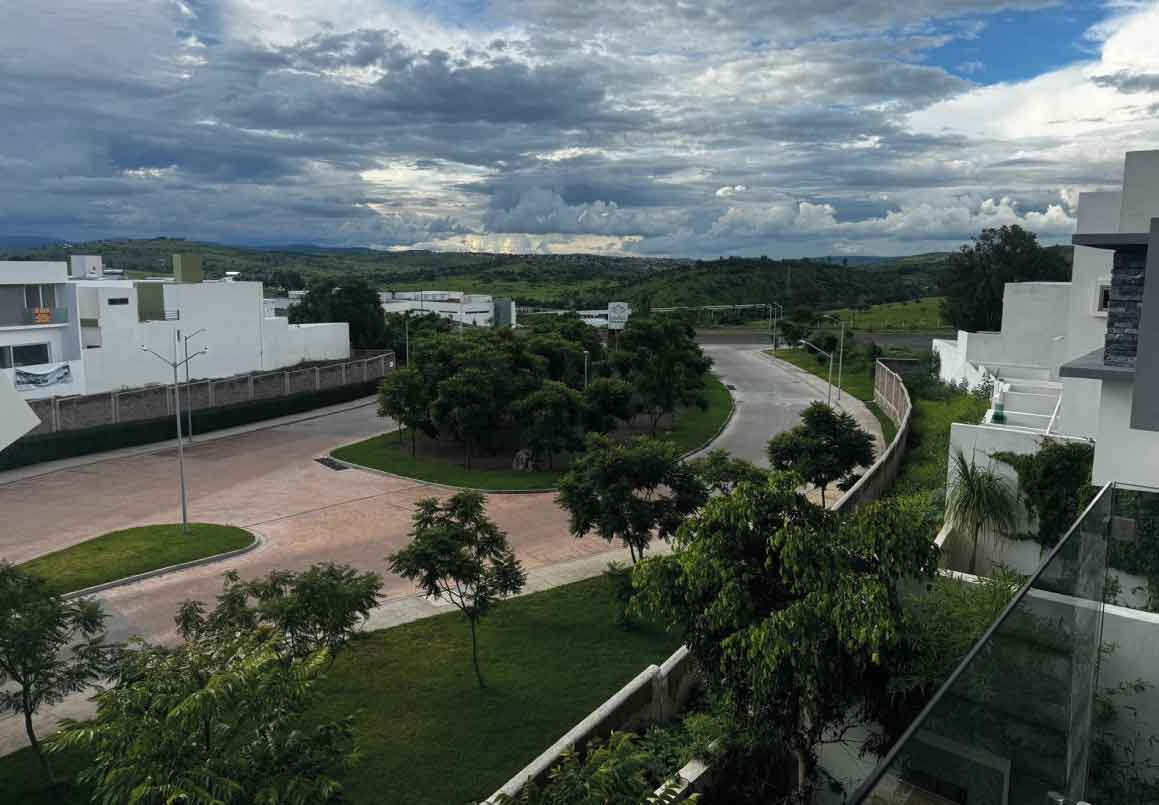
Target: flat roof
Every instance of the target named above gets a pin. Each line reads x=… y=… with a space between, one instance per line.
x=1125 y=241
x=1092 y=366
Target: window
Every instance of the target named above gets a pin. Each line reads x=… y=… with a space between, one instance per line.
x=1103 y=299
x=39 y=296
x=29 y=354
x=118 y=300
x=5 y=357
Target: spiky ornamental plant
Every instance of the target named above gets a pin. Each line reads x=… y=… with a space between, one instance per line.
x=979 y=500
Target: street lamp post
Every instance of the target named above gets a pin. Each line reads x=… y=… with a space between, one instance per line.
x=188 y=393
x=585 y=368
x=776 y=311
x=829 y=355
x=841 y=351
x=175 y=364
x=406 y=326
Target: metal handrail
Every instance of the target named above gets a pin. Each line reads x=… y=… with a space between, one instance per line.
x=870 y=782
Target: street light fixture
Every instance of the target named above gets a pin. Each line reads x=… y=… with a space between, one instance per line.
x=829 y=355
x=188 y=393
x=841 y=358
x=176 y=364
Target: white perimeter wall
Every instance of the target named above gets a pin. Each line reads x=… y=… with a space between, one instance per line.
x=287 y=344
x=1123 y=455
x=16 y=418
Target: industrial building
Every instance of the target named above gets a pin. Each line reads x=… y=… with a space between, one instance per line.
x=477 y=310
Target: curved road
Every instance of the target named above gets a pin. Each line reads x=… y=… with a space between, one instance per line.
x=267 y=480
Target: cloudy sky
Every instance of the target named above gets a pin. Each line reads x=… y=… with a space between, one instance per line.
x=664 y=127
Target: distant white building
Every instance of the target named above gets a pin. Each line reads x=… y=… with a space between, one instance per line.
x=70 y=329
x=478 y=310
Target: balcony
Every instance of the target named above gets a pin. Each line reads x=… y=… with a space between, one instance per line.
x=34 y=316
x=1056 y=702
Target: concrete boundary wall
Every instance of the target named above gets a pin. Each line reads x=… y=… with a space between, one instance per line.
x=656 y=694
x=891 y=395
x=150 y=402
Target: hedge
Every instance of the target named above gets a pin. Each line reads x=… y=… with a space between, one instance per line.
x=83 y=441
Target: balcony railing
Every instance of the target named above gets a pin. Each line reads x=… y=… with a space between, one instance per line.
x=36 y=315
x=1016 y=721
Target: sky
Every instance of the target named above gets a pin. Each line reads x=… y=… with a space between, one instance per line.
x=693 y=128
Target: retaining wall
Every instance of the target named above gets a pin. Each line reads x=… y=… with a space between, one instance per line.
x=890 y=394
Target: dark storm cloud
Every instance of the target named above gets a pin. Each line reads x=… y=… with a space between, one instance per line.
x=1129 y=81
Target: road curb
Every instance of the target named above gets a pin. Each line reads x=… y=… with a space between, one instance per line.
x=163 y=571
x=732 y=404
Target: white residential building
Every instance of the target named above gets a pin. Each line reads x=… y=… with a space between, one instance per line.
x=91 y=340
x=16 y=418
x=478 y=310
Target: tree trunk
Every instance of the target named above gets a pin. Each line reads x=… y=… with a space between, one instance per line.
x=802 y=750
x=632 y=551
x=974 y=552
x=467 y=444
x=413 y=437
x=35 y=743
x=823 y=506
x=475 y=654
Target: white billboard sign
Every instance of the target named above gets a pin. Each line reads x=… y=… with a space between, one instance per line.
x=618 y=313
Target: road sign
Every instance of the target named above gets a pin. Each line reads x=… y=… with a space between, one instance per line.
x=618 y=313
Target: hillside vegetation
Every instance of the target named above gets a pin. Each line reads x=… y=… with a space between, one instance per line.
x=545 y=280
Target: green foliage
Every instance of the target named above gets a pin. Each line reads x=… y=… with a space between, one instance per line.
x=827 y=446
x=792 y=611
x=417 y=325
x=405 y=396
x=215 y=720
x=629 y=491
x=925 y=465
x=49 y=648
x=979 y=500
x=722 y=473
x=352 y=301
x=665 y=366
x=914 y=315
x=470 y=404
x=552 y=417
x=319 y=608
x=1141 y=555
x=609 y=401
x=1054 y=484
x=976 y=275
x=457 y=553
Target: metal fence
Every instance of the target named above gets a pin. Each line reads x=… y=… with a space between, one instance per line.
x=150 y=402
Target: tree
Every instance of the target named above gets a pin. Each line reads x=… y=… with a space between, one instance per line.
x=662 y=361
x=608 y=401
x=827 y=446
x=469 y=404
x=319 y=608
x=722 y=473
x=218 y=719
x=417 y=325
x=405 y=396
x=979 y=499
x=552 y=417
x=1054 y=485
x=792 y=611
x=457 y=553
x=975 y=279
x=49 y=648
x=353 y=302
x=629 y=491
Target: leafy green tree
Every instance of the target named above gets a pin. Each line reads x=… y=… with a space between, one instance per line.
x=217 y=720
x=321 y=607
x=1054 y=485
x=353 y=301
x=552 y=417
x=563 y=358
x=469 y=403
x=722 y=473
x=609 y=401
x=662 y=361
x=49 y=648
x=792 y=611
x=405 y=396
x=629 y=491
x=827 y=446
x=978 y=500
x=975 y=279
x=456 y=552
x=419 y=326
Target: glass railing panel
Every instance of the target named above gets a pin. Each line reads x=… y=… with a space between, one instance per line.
x=1014 y=723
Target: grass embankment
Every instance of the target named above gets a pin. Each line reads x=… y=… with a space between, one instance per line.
x=120 y=554
x=915 y=316
x=426 y=731
x=442 y=462
x=855 y=380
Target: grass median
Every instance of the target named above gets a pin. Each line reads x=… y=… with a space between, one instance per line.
x=426 y=732
x=440 y=461
x=121 y=554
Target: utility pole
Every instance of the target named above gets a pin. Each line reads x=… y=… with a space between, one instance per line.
x=188 y=393
x=406 y=326
x=177 y=364
x=776 y=310
x=585 y=368
x=829 y=355
x=841 y=359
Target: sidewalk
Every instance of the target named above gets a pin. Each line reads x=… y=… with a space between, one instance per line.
x=394 y=612
x=35 y=470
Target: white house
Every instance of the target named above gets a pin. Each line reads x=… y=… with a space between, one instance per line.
x=16 y=418
x=478 y=310
x=91 y=339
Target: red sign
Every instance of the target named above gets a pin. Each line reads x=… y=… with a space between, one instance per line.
x=43 y=315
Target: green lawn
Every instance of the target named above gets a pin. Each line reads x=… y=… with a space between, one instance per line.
x=442 y=462
x=918 y=315
x=926 y=461
x=135 y=550
x=428 y=735
x=855 y=377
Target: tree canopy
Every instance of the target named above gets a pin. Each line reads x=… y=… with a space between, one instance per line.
x=352 y=301
x=660 y=358
x=827 y=446
x=976 y=275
